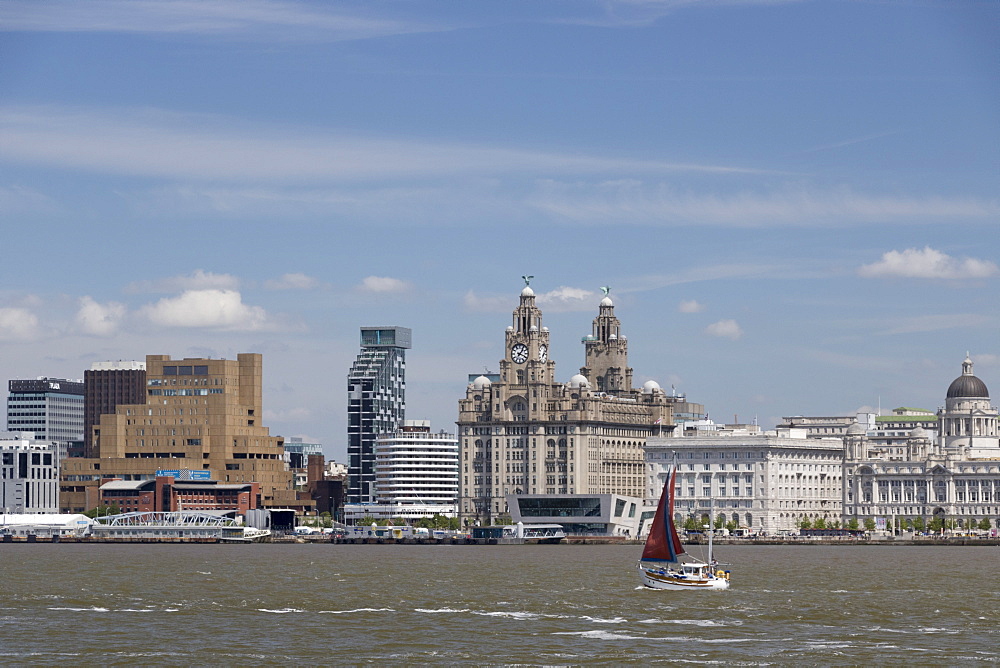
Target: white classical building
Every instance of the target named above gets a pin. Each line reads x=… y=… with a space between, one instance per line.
x=765 y=482
x=954 y=477
x=29 y=474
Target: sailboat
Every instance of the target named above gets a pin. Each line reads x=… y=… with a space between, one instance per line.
x=661 y=566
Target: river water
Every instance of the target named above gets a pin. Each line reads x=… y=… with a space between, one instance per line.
x=279 y=604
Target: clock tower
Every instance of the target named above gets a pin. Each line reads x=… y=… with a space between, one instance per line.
x=527 y=346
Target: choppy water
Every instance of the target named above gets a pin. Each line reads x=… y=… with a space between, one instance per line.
x=532 y=605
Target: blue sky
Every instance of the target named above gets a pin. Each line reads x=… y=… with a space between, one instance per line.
x=794 y=203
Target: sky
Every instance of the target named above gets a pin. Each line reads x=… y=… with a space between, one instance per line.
x=795 y=203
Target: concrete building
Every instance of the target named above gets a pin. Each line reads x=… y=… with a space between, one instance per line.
x=29 y=474
x=51 y=408
x=528 y=433
x=765 y=482
x=376 y=403
x=198 y=414
x=418 y=467
x=954 y=477
x=107 y=385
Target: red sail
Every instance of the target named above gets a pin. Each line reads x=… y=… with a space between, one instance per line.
x=663 y=543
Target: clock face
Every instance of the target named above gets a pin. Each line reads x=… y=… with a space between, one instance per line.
x=543 y=353
x=519 y=353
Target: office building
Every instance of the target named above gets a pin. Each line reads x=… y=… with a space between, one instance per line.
x=529 y=433
x=198 y=414
x=419 y=468
x=764 y=482
x=29 y=474
x=107 y=385
x=51 y=408
x=376 y=403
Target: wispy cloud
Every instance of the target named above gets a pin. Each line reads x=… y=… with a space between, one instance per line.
x=236 y=19
x=632 y=201
x=566 y=298
x=199 y=279
x=292 y=281
x=563 y=299
x=936 y=323
x=213 y=309
x=160 y=144
x=384 y=285
x=691 y=306
x=725 y=329
x=927 y=263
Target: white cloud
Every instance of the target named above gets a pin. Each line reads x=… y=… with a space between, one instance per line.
x=566 y=298
x=490 y=304
x=655 y=203
x=293 y=281
x=17 y=324
x=725 y=329
x=99 y=319
x=196 y=280
x=690 y=306
x=169 y=145
x=927 y=263
x=216 y=309
x=383 y=284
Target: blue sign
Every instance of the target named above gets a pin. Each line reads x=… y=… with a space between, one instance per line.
x=186 y=474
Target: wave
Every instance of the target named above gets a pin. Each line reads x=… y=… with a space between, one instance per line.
x=347 y=612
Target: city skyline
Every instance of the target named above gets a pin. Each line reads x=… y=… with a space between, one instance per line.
x=794 y=203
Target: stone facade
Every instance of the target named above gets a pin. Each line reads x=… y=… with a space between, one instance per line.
x=955 y=477
x=528 y=433
x=767 y=482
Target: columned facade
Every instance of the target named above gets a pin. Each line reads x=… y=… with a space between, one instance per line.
x=530 y=434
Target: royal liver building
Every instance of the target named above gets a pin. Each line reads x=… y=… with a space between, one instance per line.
x=955 y=477
x=529 y=433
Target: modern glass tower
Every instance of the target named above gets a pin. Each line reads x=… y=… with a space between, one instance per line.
x=376 y=403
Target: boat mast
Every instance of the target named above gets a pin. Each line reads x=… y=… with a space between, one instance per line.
x=711 y=521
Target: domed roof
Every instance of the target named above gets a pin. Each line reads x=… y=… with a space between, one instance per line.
x=918 y=432
x=579 y=380
x=527 y=292
x=607 y=302
x=967 y=385
x=481 y=382
x=856 y=430
x=650 y=386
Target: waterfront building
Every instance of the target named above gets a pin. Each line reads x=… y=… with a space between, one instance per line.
x=528 y=433
x=580 y=514
x=199 y=414
x=416 y=475
x=51 y=408
x=29 y=474
x=167 y=493
x=418 y=467
x=764 y=482
x=955 y=477
x=107 y=385
x=376 y=403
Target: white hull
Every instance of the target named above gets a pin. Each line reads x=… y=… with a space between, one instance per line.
x=663 y=578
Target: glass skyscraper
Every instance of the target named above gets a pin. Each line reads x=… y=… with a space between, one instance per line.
x=376 y=403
